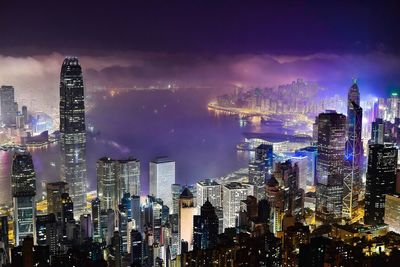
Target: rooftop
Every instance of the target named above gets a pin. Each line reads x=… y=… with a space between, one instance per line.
x=162 y=160
x=235 y=185
x=186 y=193
x=208 y=182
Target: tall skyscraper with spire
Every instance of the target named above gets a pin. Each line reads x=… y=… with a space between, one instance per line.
x=72 y=129
x=353 y=157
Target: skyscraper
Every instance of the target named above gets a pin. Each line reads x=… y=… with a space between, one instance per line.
x=381 y=180
x=54 y=192
x=116 y=243
x=288 y=173
x=116 y=178
x=392 y=111
x=136 y=213
x=67 y=212
x=392 y=212
x=46 y=231
x=162 y=176
x=96 y=219
x=24 y=110
x=233 y=193
x=123 y=227
x=303 y=166
x=73 y=132
x=186 y=212
x=276 y=202
x=128 y=172
x=205 y=227
x=209 y=190
x=331 y=154
x=260 y=168
x=353 y=157
x=136 y=248
x=8 y=107
x=378 y=131
x=23 y=179
x=176 y=190
x=107 y=184
x=311 y=154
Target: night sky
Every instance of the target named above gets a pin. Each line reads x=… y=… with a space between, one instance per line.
x=207 y=43
x=294 y=27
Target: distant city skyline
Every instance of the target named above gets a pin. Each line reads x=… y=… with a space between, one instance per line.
x=187 y=134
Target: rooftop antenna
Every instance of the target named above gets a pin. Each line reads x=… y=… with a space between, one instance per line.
x=355 y=80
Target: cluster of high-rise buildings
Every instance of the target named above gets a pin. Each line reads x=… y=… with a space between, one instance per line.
x=311 y=209
x=18 y=127
x=298 y=97
x=288 y=98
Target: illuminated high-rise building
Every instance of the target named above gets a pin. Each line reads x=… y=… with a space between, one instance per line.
x=233 y=193
x=260 y=168
x=276 y=203
x=73 y=132
x=162 y=176
x=8 y=107
x=107 y=184
x=392 y=212
x=377 y=131
x=354 y=153
x=136 y=213
x=392 y=107
x=123 y=227
x=209 y=190
x=331 y=154
x=54 y=192
x=303 y=170
x=116 y=178
x=311 y=154
x=46 y=231
x=96 y=219
x=67 y=211
x=186 y=212
x=288 y=173
x=23 y=179
x=128 y=173
x=176 y=190
x=381 y=180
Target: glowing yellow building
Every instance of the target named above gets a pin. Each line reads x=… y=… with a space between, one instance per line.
x=392 y=212
x=186 y=212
